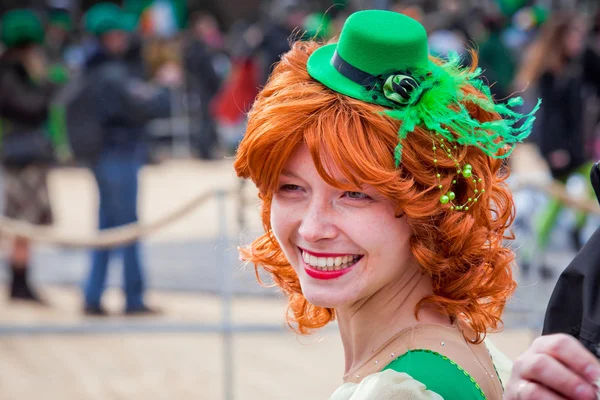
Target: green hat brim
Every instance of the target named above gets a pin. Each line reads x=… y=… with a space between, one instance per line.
x=320 y=68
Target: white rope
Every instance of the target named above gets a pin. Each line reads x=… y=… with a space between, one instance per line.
x=558 y=190
x=113 y=237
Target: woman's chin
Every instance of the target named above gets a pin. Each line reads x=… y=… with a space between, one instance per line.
x=324 y=293
x=325 y=299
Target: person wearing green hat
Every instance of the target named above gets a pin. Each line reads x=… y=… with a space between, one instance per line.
x=381 y=171
x=26 y=148
x=57 y=39
x=122 y=104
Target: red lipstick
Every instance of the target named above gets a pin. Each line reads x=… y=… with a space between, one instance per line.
x=325 y=275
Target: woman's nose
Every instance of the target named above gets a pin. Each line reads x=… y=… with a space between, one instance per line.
x=317 y=223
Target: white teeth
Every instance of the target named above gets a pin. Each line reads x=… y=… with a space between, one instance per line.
x=329 y=263
x=306 y=257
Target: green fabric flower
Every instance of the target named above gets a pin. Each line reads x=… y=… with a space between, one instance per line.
x=398 y=88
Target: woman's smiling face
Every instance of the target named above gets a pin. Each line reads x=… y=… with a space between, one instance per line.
x=344 y=245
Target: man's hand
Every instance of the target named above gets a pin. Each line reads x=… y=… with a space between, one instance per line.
x=555 y=367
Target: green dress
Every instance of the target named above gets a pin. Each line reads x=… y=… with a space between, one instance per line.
x=439 y=374
x=429 y=362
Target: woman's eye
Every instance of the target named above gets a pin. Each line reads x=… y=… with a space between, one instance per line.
x=289 y=188
x=357 y=195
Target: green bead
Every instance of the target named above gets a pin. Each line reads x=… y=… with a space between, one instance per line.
x=451 y=195
x=452 y=208
x=482 y=190
x=467 y=173
x=476 y=191
x=439 y=186
x=470 y=199
x=466 y=208
x=475 y=200
x=479 y=180
x=435 y=160
x=437 y=175
x=454 y=181
x=444 y=199
x=434 y=148
x=468 y=166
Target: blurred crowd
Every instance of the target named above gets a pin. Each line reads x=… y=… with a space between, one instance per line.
x=114 y=86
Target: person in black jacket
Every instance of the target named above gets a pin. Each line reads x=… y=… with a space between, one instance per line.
x=124 y=104
x=25 y=96
x=202 y=85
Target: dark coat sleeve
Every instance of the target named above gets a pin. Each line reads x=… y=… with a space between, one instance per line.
x=22 y=101
x=127 y=101
x=198 y=62
x=591 y=69
x=574 y=307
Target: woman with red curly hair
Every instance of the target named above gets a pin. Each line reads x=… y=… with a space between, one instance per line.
x=384 y=204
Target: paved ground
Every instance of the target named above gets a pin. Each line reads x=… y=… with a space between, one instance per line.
x=139 y=358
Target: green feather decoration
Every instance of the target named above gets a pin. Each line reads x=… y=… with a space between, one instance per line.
x=438 y=105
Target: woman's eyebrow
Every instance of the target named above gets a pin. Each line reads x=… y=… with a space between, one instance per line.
x=289 y=174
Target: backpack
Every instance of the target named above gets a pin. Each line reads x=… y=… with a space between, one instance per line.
x=83 y=129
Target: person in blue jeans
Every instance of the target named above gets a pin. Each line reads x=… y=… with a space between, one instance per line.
x=123 y=104
x=116 y=175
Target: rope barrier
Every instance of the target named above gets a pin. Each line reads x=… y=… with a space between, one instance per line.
x=113 y=237
x=558 y=190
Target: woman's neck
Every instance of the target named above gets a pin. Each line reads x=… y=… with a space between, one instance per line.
x=370 y=323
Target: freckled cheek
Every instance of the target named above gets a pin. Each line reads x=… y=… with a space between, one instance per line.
x=283 y=222
x=277 y=221
x=383 y=243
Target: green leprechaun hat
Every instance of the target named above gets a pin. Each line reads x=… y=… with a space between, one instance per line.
x=102 y=18
x=21 y=27
x=372 y=44
x=382 y=57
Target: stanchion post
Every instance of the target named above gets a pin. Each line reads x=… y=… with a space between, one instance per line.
x=226 y=296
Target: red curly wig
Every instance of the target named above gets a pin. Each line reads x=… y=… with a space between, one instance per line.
x=463 y=252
